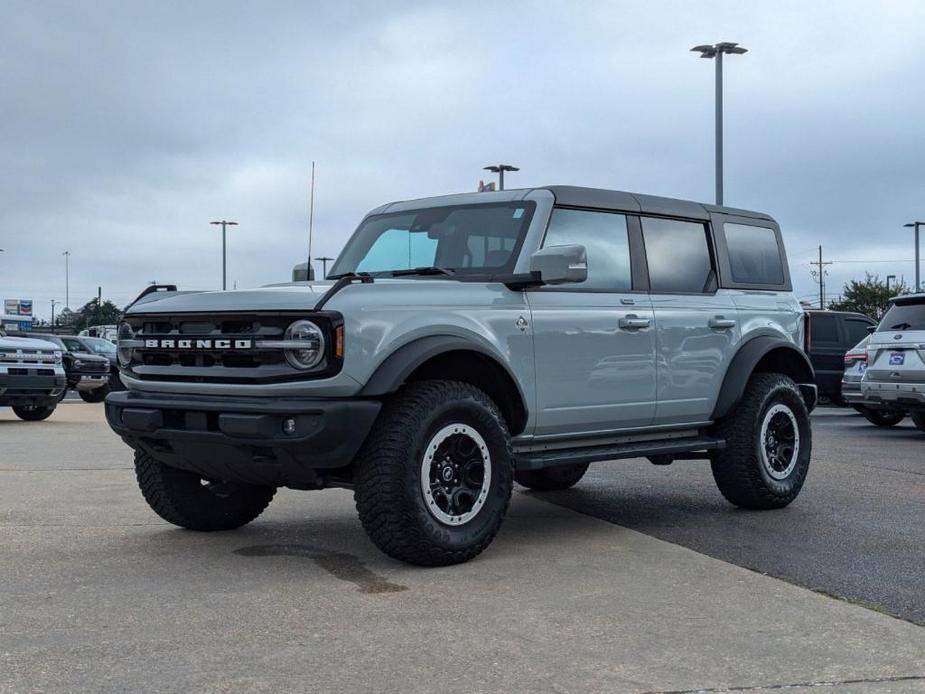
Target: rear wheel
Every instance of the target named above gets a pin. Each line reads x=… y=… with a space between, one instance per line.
x=434 y=477
x=97 y=395
x=884 y=418
x=918 y=418
x=33 y=414
x=768 y=445
x=190 y=501
x=553 y=478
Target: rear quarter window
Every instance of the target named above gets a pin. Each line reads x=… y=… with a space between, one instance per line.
x=754 y=254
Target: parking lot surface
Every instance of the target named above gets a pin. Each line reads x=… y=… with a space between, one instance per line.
x=857 y=530
x=98 y=594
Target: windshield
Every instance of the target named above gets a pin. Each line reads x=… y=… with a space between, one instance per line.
x=903 y=317
x=463 y=239
x=99 y=345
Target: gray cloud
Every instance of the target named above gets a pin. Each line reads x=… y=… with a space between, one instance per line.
x=127 y=127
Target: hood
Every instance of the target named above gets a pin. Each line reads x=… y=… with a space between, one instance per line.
x=26 y=343
x=84 y=356
x=296 y=296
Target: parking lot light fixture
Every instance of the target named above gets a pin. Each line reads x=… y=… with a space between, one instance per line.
x=716 y=52
x=500 y=169
x=224 y=224
x=916 y=225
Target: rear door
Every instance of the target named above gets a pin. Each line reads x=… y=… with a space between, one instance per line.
x=595 y=341
x=696 y=325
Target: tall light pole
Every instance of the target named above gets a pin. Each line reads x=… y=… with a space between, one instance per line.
x=500 y=169
x=888 y=278
x=224 y=224
x=716 y=52
x=324 y=265
x=916 y=225
x=67 y=279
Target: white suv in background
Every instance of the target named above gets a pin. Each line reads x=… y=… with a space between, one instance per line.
x=895 y=375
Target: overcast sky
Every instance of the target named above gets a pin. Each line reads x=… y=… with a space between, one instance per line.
x=126 y=127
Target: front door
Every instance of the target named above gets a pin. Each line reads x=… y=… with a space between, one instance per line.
x=595 y=341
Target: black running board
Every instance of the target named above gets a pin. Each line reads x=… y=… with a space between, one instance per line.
x=680 y=448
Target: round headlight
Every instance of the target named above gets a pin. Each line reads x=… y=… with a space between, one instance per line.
x=308 y=334
x=126 y=335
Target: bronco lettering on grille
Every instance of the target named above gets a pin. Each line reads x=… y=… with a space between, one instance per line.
x=221 y=344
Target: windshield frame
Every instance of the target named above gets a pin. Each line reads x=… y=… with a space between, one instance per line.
x=458 y=273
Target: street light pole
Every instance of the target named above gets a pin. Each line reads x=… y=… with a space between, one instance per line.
x=324 y=265
x=916 y=225
x=224 y=224
x=67 y=279
x=888 y=278
x=500 y=169
x=716 y=51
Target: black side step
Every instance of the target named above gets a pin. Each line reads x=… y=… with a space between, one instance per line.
x=536 y=460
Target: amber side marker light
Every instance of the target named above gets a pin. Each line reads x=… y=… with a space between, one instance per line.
x=339 y=342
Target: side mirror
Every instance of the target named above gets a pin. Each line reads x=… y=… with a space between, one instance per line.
x=303 y=272
x=560 y=264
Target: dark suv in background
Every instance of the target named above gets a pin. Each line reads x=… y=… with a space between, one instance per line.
x=87 y=373
x=98 y=346
x=829 y=335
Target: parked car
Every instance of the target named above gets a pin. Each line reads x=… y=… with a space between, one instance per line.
x=32 y=378
x=855 y=368
x=895 y=376
x=88 y=374
x=829 y=335
x=469 y=341
x=100 y=347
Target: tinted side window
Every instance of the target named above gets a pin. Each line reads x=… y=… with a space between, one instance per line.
x=605 y=238
x=856 y=329
x=754 y=254
x=824 y=328
x=678 y=255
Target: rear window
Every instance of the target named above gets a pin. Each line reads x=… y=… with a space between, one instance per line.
x=754 y=254
x=903 y=317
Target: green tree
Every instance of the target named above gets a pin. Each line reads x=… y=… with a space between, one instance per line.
x=92 y=313
x=869 y=296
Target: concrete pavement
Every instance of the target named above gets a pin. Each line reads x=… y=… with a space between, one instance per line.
x=98 y=594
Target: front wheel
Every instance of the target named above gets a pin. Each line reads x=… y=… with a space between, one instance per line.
x=97 y=395
x=768 y=445
x=33 y=414
x=434 y=477
x=190 y=501
x=884 y=418
x=918 y=418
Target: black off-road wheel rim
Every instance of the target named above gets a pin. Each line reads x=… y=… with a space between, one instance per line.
x=455 y=474
x=779 y=441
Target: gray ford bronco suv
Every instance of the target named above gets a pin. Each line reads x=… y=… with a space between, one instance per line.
x=465 y=342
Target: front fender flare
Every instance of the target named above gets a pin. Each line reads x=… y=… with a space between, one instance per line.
x=743 y=366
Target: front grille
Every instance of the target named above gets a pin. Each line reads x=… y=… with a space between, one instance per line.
x=94 y=367
x=29 y=357
x=200 y=364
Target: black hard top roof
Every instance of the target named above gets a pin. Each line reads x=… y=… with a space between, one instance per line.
x=601 y=198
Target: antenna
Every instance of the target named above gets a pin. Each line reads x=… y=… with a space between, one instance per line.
x=311 y=219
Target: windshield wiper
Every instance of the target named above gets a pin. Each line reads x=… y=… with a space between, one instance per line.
x=427 y=270
x=901 y=326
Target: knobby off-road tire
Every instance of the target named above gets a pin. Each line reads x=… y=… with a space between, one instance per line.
x=755 y=470
x=97 y=395
x=186 y=499
x=551 y=479
x=33 y=414
x=411 y=501
x=918 y=418
x=884 y=418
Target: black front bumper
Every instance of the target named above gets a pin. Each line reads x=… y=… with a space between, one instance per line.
x=243 y=439
x=30 y=390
